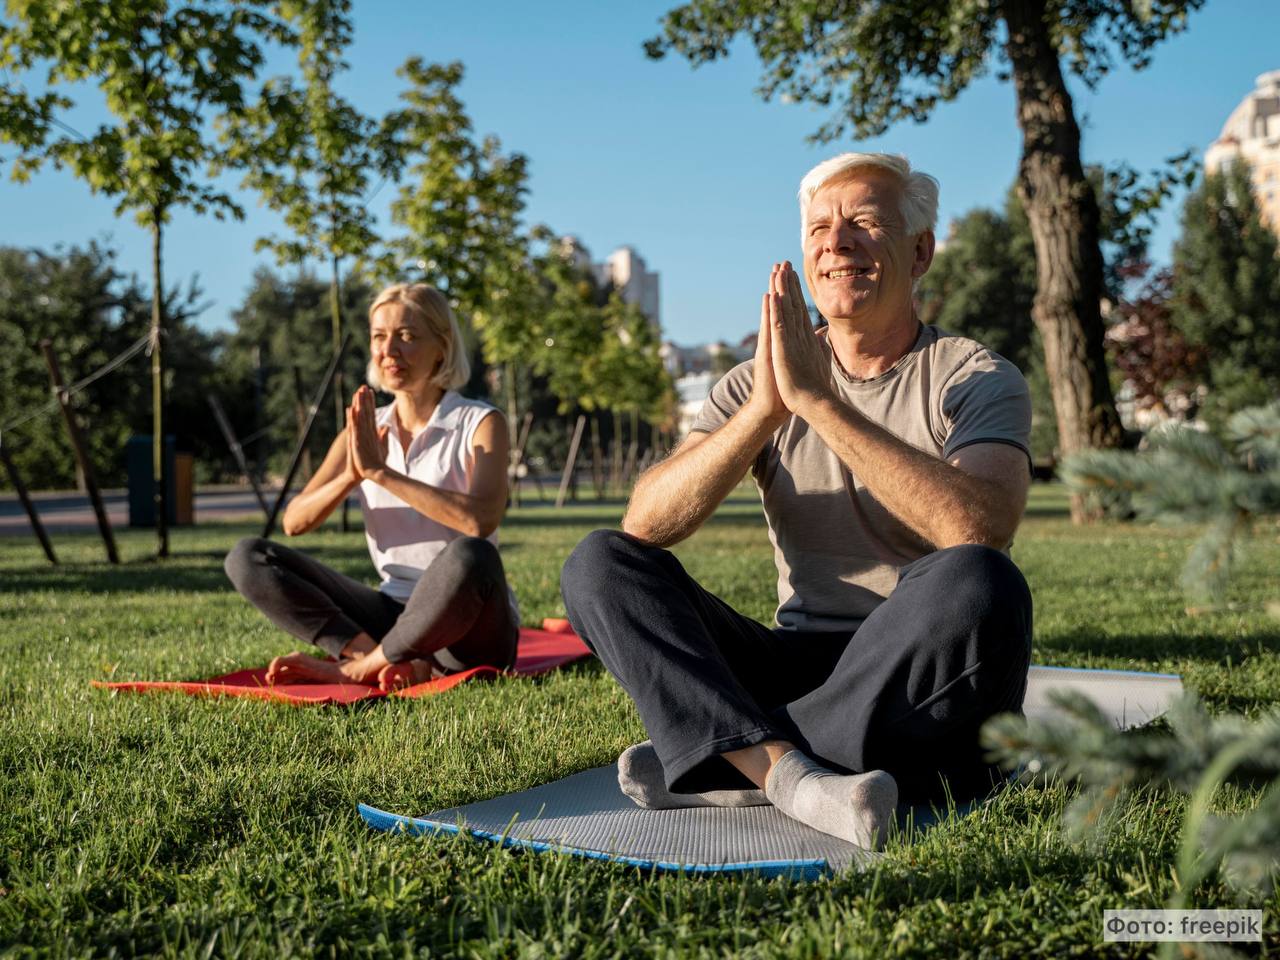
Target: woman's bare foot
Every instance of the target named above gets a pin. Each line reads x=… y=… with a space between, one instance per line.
x=397 y=676
x=299 y=667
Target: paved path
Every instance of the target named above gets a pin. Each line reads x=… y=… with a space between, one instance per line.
x=70 y=512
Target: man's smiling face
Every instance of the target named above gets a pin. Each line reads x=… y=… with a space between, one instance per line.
x=859 y=260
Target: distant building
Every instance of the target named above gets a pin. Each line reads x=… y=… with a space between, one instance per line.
x=571 y=248
x=718 y=358
x=1252 y=133
x=624 y=271
x=692 y=390
x=697 y=369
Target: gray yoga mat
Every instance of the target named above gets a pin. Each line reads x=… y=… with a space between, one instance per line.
x=587 y=814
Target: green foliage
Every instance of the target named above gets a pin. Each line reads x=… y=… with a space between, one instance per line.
x=1226 y=291
x=1196 y=754
x=627 y=373
x=460 y=207
x=1128 y=201
x=1188 y=475
x=164 y=69
x=981 y=285
x=91 y=312
x=876 y=64
x=983 y=281
x=312 y=155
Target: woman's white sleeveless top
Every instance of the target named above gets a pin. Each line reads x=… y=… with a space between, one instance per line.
x=403 y=542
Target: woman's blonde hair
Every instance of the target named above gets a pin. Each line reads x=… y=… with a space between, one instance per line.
x=430 y=305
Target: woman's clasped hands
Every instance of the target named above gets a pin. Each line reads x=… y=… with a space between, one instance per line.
x=366 y=441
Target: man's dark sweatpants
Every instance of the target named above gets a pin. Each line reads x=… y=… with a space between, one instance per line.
x=907 y=693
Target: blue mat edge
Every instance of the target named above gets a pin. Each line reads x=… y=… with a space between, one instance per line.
x=398 y=823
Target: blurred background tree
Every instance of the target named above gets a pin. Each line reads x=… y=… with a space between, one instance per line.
x=78 y=298
x=1226 y=292
x=166 y=71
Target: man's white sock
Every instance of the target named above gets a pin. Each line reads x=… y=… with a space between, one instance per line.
x=641 y=777
x=855 y=807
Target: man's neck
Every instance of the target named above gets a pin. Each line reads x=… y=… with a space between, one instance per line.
x=866 y=349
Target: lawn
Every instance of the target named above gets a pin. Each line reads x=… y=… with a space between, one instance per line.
x=181 y=826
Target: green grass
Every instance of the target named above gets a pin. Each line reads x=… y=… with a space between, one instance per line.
x=181 y=826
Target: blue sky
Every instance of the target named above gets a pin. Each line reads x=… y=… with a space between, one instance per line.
x=688 y=166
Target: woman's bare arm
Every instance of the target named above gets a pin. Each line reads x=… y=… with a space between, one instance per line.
x=327 y=488
x=475 y=513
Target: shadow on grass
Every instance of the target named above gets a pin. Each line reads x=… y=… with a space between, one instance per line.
x=1208 y=648
x=1047 y=511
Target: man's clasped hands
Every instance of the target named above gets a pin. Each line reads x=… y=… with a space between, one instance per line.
x=793 y=362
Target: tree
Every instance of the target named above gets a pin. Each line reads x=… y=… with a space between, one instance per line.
x=875 y=64
x=1193 y=753
x=982 y=283
x=165 y=70
x=1226 y=291
x=627 y=375
x=313 y=157
x=1163 y=371
x=461 y=203
x=78 y=299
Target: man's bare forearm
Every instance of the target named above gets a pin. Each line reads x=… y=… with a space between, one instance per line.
x=674 y=498
x=940 y=502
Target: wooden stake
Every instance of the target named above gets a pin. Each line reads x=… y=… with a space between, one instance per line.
x=300 y=413
x=570 y=460
x=236 y=450
x=27 y=505
x=517 y=457
x=82 y=457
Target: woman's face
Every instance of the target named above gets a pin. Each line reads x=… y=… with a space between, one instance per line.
x=406 y=353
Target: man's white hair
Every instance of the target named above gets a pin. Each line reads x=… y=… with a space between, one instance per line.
x=919 y=190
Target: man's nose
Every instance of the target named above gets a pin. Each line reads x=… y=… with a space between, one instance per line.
x=841 y=237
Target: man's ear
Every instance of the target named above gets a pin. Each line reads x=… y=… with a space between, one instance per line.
x=922 y=257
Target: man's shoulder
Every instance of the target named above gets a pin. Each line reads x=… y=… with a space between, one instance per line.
x=736 y=383
x=952 y=354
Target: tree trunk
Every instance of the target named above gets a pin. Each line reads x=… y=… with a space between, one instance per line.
x=597 y=457
x=513 y=439
x=339 y=390
x=300 y=415
x=160 y=497
x=633 y=450
x=1063 y=212
x=615 y=451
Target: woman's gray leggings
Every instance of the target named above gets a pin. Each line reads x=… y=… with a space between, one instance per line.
x=458 y=613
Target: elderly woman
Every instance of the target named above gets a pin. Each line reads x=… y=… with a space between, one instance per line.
x=431 y=468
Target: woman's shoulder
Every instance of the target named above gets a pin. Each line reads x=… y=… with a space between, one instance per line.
x=467 y=410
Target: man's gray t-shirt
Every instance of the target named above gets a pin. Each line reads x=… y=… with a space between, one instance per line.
x=838 y=549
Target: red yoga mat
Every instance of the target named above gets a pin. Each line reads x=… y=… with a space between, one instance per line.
x=539 y=651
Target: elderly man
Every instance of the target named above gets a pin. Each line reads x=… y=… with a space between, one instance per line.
x=892 y=462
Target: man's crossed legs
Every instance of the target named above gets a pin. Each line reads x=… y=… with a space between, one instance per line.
x=893 y=711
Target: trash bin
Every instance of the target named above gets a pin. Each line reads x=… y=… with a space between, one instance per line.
x=179 y=474
x=184 y=489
